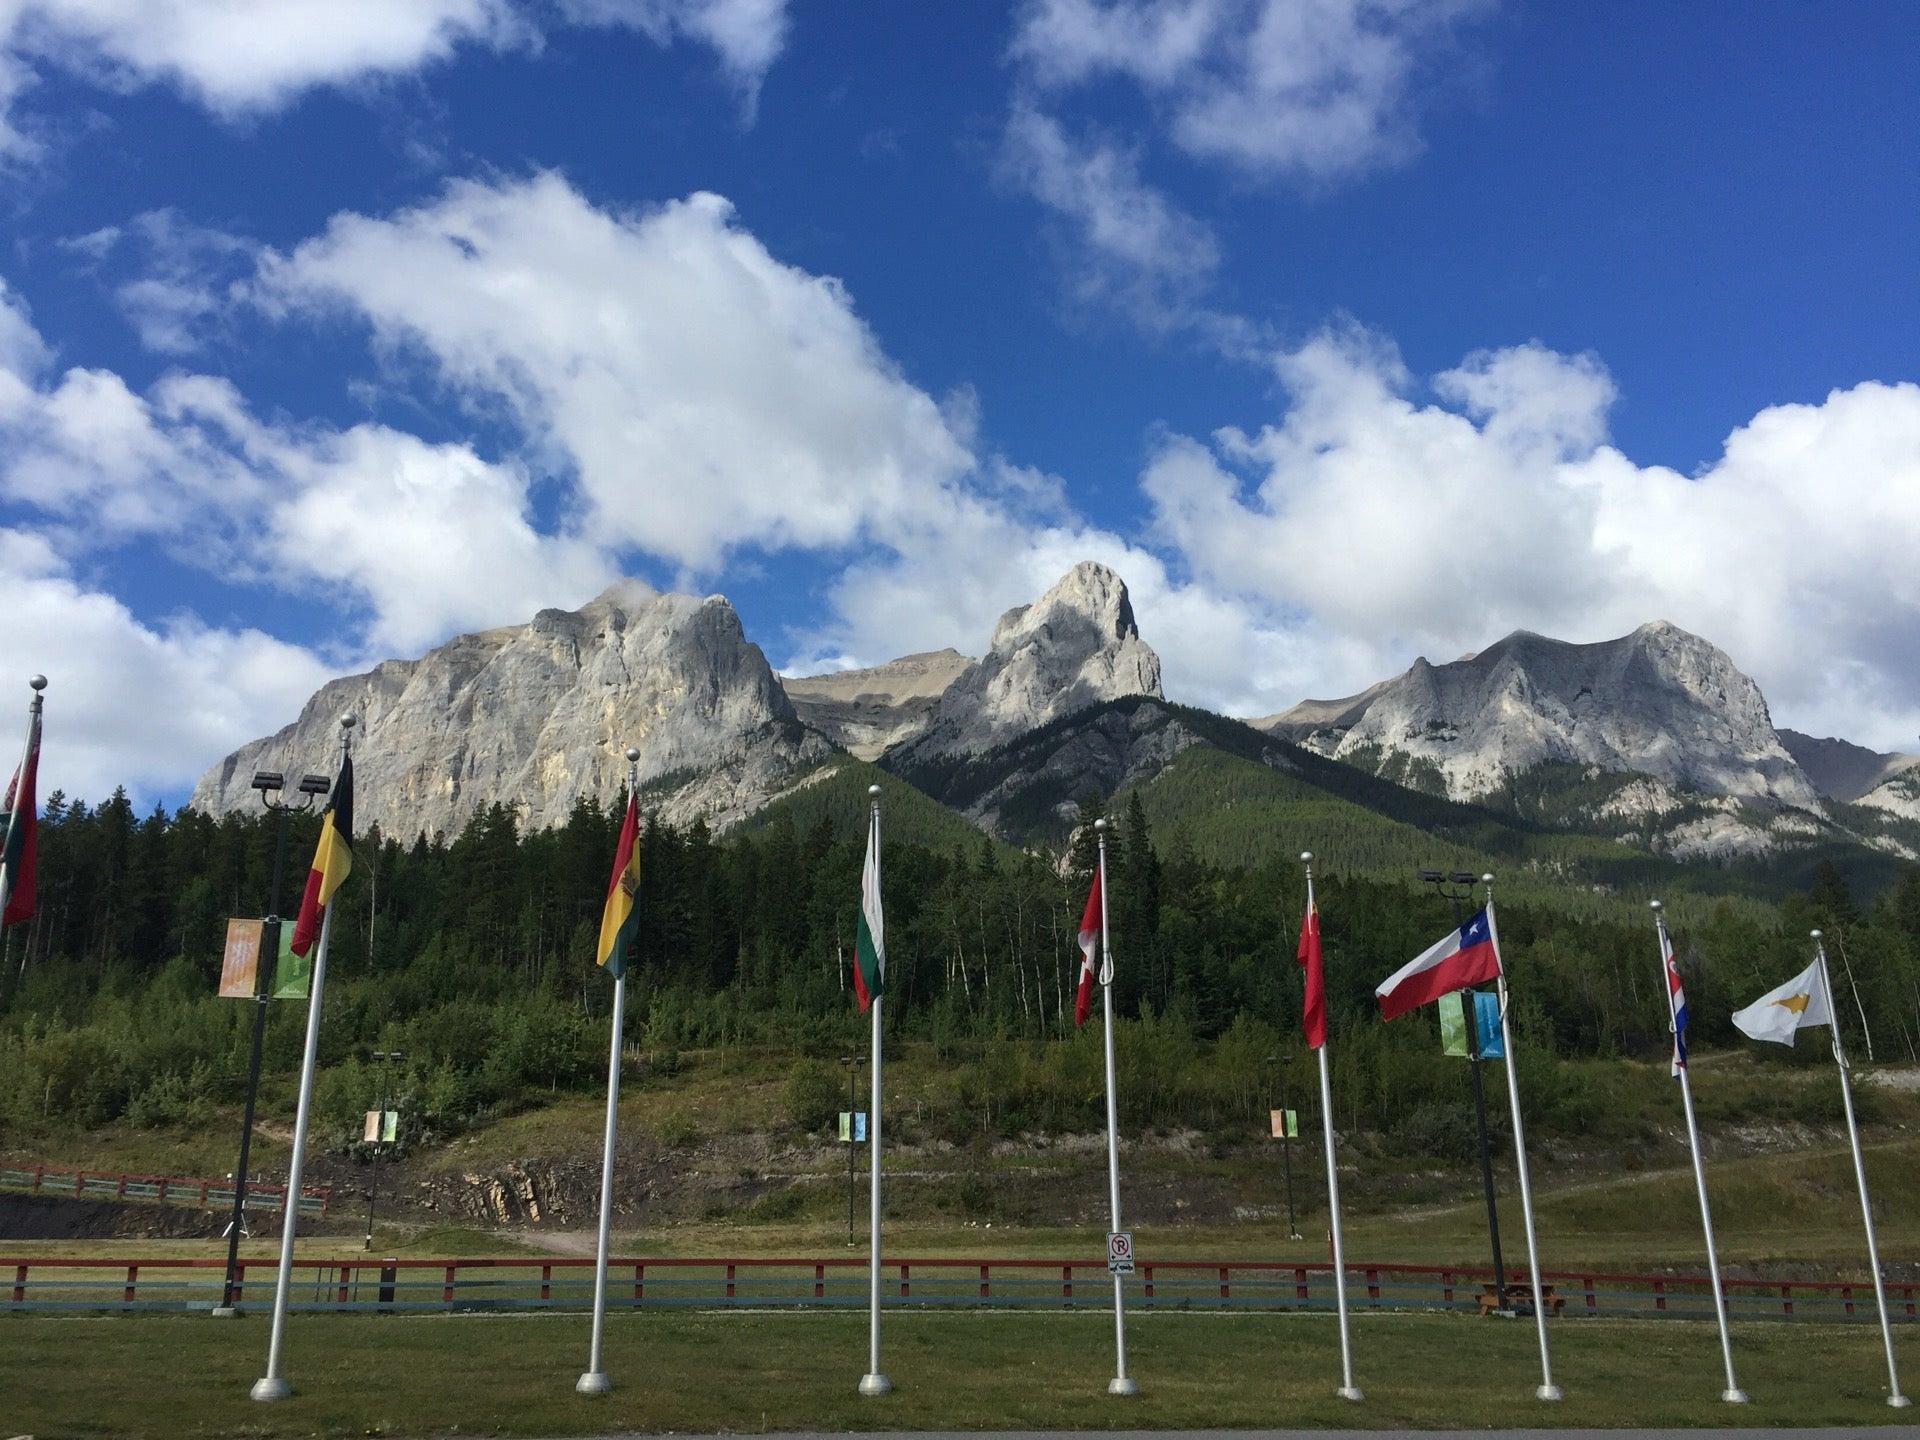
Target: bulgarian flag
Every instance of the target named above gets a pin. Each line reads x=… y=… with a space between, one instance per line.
x=619 y=922
x=1313 y=1006
x=332 y=859
x=20 y=821
x=870 y=938
x=1090 y=928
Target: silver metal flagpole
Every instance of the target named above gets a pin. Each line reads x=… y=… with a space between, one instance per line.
x=1122 y=1383
x=1547 y=1390
x=273 y=1385
x=875 y=1381
x=1733 y=1394
x=39 y=683
x=1894 y=1397
x=1348 y=1390
x=594 y=1380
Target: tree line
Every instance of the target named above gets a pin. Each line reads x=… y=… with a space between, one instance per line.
x=474 y=954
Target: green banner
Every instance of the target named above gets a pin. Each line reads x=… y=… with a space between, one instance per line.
x=1453 y=1025
x=292 y=974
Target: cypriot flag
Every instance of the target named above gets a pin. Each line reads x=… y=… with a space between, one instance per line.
x=1793 y=1006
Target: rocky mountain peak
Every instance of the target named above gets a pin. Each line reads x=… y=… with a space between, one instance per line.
x=1075 y=646
x=538 y=715
x=1659 y=702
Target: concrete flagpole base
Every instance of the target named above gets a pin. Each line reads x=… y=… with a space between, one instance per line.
x=875 y=1385
x=1899 y=1402
x=1734 y=1397
x=1123 y=1385
x=594 y=1382
x=223 y=1312
x=1350 y=1392
x=1548 y=1392
x=271 y=1387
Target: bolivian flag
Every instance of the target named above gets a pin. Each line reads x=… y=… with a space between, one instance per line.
x=619 y=921
x=332 y=859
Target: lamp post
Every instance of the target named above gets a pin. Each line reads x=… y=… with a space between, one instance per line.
x=1457 y=888
x=379 y=1134
x=1286 y=1142
x=271 y=784
x=852 y=1062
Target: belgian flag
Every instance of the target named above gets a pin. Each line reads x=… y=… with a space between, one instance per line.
x=619 y=922
x=332 y=859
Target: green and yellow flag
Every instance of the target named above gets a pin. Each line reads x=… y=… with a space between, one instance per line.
x=619 y=924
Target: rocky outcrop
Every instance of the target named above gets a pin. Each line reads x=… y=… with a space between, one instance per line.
x=867 y=711
x=1660 y=703
x=538 y=715
x=1074 y=647
x=1841 y=770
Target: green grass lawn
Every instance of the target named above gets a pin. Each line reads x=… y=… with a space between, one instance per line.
x=513 y=1375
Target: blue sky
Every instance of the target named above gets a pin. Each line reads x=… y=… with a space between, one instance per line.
x=1347 y=330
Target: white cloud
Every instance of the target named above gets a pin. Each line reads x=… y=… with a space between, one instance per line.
x=243 y=57
x=130 y=703
x=411 y=540
x=1313 y=88
x=1141 y=249
x=704 y=396
x=1386 y=526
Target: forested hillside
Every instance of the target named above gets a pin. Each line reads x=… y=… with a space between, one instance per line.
x=474 y=956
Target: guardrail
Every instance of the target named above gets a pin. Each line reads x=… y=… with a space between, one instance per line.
x=518 y=1283
x=163 y=1189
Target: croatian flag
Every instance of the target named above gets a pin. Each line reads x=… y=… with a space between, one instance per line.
x=1679 y=1005
x=1468 y=956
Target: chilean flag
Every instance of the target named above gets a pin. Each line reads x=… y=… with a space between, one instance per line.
x=1679 y=995
x=1468 y=956
x=1089 y=948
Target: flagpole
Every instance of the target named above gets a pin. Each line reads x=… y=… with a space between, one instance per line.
x=594 y=1380
x=1121 y=1384
x=273 y=1385
x=875 y=1381
x=1546 y=1390
x=1894 y=1398
x=1733 y=1394
x=1348 y=1390
x=38 y=684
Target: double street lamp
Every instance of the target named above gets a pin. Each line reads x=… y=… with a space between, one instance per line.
x=380 y=1133
x=271 y=784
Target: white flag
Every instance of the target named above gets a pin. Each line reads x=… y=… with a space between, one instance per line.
x=1793 y=1006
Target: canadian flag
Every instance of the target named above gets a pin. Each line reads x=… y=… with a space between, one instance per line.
x=1090 y=928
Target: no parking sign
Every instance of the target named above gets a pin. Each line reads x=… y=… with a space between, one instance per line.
x=1120 y=1252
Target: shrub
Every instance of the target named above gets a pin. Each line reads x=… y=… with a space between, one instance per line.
x=812 y=1095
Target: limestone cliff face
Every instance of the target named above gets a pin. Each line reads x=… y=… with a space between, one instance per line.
x=869 y=710
x=1659 y=702
x=1075 y=646
x=538 y=715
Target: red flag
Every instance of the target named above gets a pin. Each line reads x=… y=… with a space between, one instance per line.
x=20 y=824
x=1313 y=1007
x=1089 y=948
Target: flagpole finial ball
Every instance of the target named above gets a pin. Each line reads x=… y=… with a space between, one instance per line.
x=1813 y=934
x=38 y=682
x=1655 y=905
x=1306 y=857
x=633 y=753
x=873 y=790
x=347 y=722
x=1487 y=879
x=1099 y=824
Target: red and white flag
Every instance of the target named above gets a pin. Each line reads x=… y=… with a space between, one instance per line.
x=1090 y=928
x=1313 y=1006
x=1468 y=956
